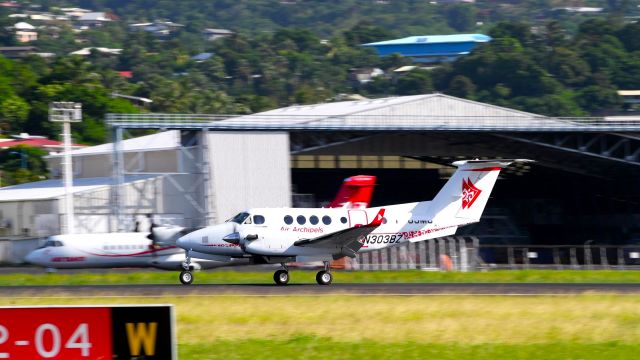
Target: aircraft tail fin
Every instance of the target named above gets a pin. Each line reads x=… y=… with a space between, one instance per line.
x=463 y=198
x=355 y=192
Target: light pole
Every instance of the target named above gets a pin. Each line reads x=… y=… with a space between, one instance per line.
x=66 y=113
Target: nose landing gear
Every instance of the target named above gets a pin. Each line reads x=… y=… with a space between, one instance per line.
x=186 y=277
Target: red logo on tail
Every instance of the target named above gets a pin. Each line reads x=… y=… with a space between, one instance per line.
x=469 y=193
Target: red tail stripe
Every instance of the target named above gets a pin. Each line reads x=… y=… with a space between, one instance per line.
x=377 y=221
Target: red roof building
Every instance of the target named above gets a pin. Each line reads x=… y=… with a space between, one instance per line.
x=37 y=141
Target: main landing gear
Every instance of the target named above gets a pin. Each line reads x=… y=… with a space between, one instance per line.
x=186 y=277
x=323 y=277
x=281 y=276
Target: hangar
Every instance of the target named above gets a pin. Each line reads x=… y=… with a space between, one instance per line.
x=582 y=187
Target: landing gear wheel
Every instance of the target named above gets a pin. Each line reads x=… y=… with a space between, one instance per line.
x=186 y=277
x=324 y=277
x=281 y=277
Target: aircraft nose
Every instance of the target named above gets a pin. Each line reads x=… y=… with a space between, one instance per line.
x=33 y=258
x=185 y=242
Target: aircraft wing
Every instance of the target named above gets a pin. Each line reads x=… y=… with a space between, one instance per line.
x=345 y=242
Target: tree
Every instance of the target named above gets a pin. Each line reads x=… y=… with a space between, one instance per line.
x=414 y=83
x=598 y=99
x=515 y=30
x=568 y=67
x=555 y=35
x=629 y=35
x=21 y=164
x=461 y=86
x=364 y=32
x=13 y=113
x=461 y=17
x=394 y=61
x=551 y=105
x=594 y=28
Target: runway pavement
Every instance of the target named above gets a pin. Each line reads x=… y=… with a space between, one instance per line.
x=313 y=289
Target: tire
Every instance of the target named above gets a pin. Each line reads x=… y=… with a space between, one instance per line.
x=186 y=278
x=281 y=277
x=324 y=278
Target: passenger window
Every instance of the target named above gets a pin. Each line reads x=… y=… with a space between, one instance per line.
x=343 y=220
x=258 y=219
x=248 y=221
x=288 y=220
x=326 y=220
x=301 y=220
x=384 y=220
x=313 y=220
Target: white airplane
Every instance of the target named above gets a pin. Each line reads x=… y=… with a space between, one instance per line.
x=284 y=235
x=112 y=250
x=157 y=248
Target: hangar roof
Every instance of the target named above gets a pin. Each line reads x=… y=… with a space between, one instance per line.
x=160 y=141
x=416 y=111
x=426 y=105
x=429 y=112
x=54 y=188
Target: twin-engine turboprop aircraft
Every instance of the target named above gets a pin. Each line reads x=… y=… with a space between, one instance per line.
x=284 y=235
x=157 y=247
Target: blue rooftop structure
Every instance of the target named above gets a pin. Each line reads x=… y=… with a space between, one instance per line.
x=430 y=48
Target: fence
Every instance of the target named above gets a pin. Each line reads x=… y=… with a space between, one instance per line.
x=583 y=257
x=463 y=253
x=457 y=253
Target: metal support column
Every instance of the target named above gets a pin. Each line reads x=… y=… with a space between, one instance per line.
x=205 y=169
x=118 y=177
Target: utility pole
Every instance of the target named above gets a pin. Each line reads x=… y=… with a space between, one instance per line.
x=66 y=113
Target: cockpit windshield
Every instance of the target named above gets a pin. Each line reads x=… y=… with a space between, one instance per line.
x=240 y=218
x=52 y=243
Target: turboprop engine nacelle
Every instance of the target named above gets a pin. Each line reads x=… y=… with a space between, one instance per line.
x=166 y=234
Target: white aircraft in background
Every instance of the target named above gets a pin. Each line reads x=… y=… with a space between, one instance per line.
x=157 y=248
x=284 y=235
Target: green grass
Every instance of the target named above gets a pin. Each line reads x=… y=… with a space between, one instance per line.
x=303 y=276
x=319 y=348
x=382 y=327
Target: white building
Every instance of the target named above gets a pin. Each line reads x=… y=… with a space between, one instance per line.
x=171 y=175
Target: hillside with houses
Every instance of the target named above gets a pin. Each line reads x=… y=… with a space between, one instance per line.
x=238 y=57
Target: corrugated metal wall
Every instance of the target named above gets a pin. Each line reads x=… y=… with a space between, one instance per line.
x=248 y=169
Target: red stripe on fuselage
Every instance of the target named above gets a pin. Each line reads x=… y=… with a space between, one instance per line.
x=486 y=169
x=134 y=254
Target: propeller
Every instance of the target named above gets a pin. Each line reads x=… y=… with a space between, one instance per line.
x=166 y=235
